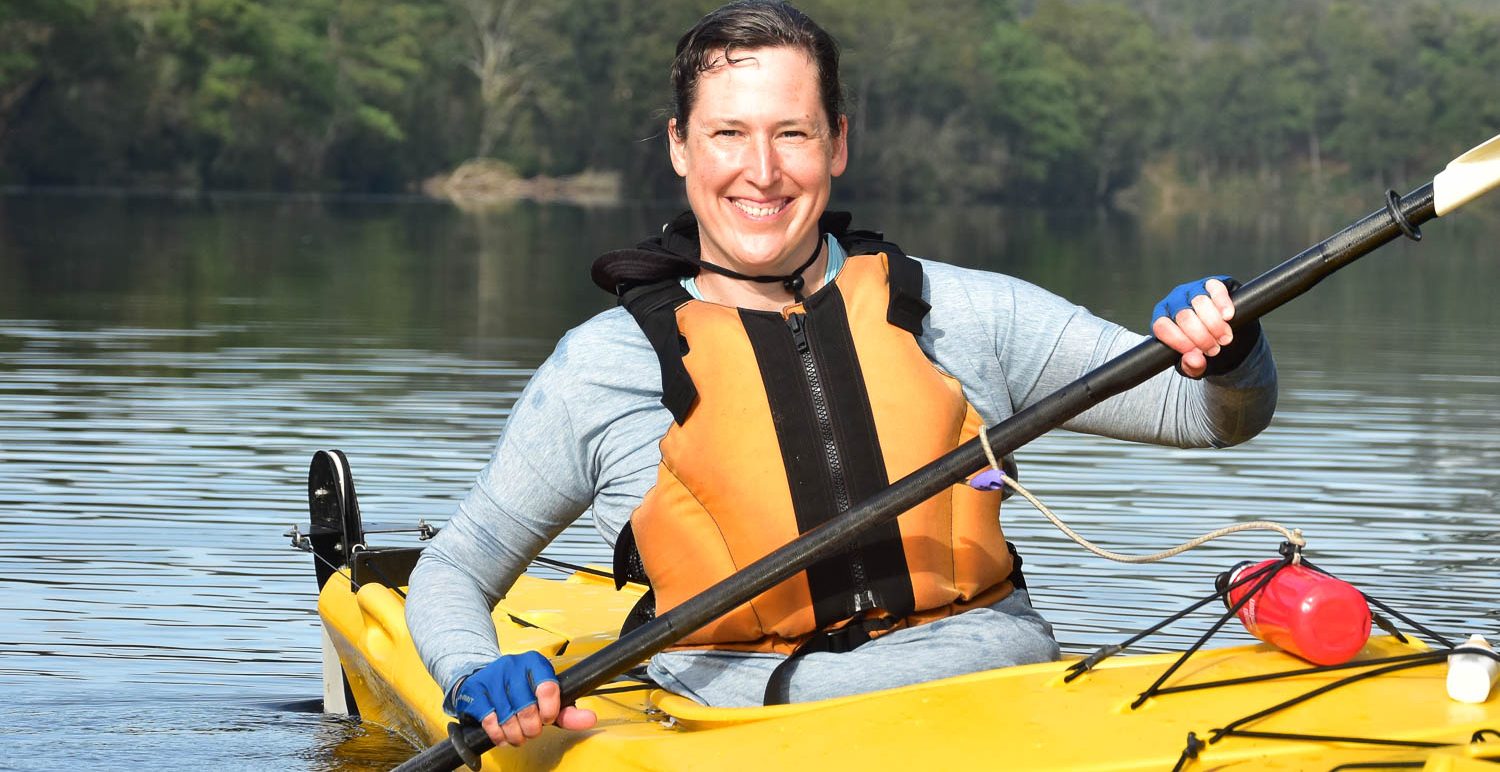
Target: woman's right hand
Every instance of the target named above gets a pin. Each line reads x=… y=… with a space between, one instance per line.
x=1193 y=319
x=514 y=697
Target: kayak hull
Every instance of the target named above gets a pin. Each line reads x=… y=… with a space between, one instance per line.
x=1018 y=718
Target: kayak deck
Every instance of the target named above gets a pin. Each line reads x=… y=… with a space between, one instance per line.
x=1023 y=717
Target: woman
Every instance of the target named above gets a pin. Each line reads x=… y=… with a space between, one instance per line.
x=771 y=368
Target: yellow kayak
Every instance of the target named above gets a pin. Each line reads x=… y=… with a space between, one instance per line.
x=1031 y=717
x=1018 y=718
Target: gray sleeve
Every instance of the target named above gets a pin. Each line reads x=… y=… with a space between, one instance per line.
x=584 y=431
x=1011 y=344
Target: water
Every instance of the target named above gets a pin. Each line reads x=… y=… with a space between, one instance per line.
x=168 y=366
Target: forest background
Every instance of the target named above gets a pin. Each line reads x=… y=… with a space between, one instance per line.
x=951 y=101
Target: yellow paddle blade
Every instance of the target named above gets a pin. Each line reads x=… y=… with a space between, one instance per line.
x=1467 y=177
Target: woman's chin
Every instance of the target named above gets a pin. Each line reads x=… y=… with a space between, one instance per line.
x=762 y=263
x=777 y=255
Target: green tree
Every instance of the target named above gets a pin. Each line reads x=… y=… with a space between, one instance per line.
x=1048 y=100
x=1376 y=84
x=1116 y=66
x=1458 y=56
x=1032 y=108
x=29 y=28
x=918 y=121
x=272 y=88
x=58 y=70
x=1252 y=104
x=613 y=107
x=508 y=65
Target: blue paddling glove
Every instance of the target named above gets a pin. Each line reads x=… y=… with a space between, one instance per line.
x=504 y=687
x=1181 y=297
x=1229 y=357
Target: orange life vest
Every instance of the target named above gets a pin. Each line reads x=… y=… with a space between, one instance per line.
x=784 y=420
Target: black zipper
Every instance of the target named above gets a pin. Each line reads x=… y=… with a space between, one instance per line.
x=833 y=459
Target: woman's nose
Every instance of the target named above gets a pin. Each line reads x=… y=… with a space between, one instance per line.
x=763 y=167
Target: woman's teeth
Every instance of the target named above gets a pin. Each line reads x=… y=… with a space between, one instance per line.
x=759 y=211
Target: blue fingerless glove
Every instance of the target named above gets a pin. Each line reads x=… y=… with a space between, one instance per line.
x=504 y=687
x=1181 y=297
x=1246 y=337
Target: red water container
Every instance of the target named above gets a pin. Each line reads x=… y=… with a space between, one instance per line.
x=1317 y=617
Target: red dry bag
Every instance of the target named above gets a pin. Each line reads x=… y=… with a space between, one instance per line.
x=1317 y=617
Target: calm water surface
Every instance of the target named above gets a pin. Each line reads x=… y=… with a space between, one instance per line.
x=167 y=367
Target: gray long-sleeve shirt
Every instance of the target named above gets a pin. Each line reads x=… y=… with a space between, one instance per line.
x=585 y=432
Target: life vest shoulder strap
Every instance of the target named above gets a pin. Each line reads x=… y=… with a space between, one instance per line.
x=654 y=307
x=907 y=308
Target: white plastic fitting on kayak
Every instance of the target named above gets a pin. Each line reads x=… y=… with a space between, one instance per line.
x=1467 y=177
x=1471 y=676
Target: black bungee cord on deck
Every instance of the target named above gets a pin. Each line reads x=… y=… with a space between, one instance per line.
x=1260 y=578
x=1260 y=584
x=1195 y=745
x=302 y=542
x=563 y=565
x=1262 y=575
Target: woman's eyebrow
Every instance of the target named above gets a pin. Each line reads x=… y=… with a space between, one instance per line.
x=738 y=123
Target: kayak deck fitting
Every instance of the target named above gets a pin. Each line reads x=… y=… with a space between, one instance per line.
x=1025 y=717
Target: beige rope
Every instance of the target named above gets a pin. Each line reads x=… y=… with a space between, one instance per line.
x=1293 y=535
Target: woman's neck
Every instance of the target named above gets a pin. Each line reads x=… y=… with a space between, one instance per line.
x=761 y=296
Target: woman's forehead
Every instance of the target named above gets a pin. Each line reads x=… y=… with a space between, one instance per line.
x=718 y=58
x=754 y=81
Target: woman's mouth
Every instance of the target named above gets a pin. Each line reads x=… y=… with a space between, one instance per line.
x=758 y=209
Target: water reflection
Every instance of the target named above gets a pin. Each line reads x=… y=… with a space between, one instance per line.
x=167 y=367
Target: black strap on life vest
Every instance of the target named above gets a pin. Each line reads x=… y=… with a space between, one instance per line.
x=654 y=307
x=907 y=308
x=630 y=568
x=860 y=631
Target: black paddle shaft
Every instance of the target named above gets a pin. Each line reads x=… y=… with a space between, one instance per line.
x=1255 y=299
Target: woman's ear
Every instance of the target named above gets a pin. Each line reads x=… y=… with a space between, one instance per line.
x=840 y=148
x=677 y=148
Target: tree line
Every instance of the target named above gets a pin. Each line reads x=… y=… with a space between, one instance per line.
x=962 y=100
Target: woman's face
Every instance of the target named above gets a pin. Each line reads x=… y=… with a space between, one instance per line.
x=759 y=160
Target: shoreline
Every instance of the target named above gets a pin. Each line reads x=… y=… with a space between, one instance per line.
x=485 y=182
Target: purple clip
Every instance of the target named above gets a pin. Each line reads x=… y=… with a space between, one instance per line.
x=988 y=480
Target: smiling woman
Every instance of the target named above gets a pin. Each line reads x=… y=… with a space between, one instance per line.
x=769 y=370
x=758 y=155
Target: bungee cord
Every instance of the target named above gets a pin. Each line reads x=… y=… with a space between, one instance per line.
x=1291 y=535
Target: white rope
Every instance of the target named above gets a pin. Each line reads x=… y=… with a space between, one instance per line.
x=1293 y=535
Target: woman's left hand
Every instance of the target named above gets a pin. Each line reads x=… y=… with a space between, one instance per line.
x=1194 y=320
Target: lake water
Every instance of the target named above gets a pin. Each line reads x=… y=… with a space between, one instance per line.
x=168 y=366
